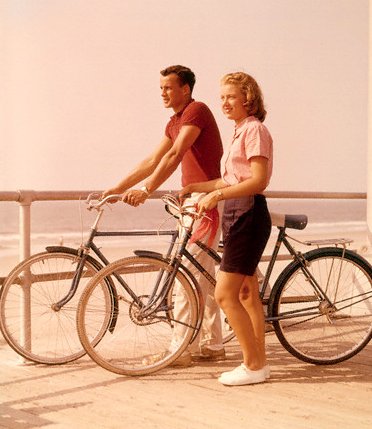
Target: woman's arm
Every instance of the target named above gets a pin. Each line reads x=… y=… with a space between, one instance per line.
x=208 y=186
x=254 y=185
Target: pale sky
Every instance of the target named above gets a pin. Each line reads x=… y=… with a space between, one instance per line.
x=79 y=90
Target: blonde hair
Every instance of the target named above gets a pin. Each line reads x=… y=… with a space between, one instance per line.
x=250 y=89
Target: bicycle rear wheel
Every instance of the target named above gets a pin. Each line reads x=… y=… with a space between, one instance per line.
x=313 y=329
x=140 y=343
x=28 y=320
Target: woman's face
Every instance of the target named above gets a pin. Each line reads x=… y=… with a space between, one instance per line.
x=233 y=100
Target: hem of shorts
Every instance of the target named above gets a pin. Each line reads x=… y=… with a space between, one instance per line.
x=236 y=270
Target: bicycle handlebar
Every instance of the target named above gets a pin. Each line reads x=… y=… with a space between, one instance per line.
x=172 y=202
x=169 y=200
x=97 y=197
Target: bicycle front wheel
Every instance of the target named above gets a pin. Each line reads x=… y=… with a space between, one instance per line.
x=145 y=338
x=28 y=319
x=333 y=323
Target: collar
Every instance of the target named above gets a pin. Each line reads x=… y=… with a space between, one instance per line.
x=239 y=128
x=181 y=111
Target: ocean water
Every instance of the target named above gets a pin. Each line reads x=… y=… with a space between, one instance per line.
x=68 y=222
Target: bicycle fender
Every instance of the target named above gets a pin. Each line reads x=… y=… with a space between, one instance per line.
x=99 y=266
x=148 y=253
x=276 y=284
x=61 y=249
x=72 y=251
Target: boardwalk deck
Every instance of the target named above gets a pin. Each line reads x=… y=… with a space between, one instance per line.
x=82 y=395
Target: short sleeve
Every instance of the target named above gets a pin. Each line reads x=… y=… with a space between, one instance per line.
x=196 y=114
x=258 y=142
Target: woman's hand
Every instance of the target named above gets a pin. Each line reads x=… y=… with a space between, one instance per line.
x=208 y=202
x=202 y=187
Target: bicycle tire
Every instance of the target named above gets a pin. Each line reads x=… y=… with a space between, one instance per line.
x=137 y=346
x=48 y=336
x=335 y=331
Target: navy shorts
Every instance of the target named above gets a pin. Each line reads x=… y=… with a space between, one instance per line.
x=246 y=226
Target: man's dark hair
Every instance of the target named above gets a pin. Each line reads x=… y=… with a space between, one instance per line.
x=185 y=75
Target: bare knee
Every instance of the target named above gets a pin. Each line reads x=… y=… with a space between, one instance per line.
x=226 y=297
x=244 y=293
x=249 y=292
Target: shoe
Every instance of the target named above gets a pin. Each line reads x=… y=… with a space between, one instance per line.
x=242 y=375
x=184 y=360
x=267 y=371
x=208 y=354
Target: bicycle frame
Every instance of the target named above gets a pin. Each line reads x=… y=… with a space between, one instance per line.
x=84 y=251
x=297 y=256
x=176 y=262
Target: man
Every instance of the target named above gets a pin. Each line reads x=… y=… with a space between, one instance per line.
x=191 y=138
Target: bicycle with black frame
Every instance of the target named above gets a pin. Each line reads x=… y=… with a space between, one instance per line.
x=320 y=305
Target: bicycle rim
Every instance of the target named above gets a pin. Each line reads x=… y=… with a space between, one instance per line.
x=28 y=321
x=317 y=331
x=138 y=345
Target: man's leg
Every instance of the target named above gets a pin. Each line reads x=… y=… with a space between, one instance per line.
x=210 y=334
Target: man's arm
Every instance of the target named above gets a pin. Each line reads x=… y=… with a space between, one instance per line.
x=168 y=164
x=185 y=139
x=144 y=169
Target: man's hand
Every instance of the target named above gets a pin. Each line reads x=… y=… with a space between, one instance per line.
x=112 y=191
x=185 y=192
x=134 y=197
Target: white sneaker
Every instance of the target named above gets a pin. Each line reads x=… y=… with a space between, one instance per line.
x=266 y=368
x=243 y=375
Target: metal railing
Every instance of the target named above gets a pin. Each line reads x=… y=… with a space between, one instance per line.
x=25 y=198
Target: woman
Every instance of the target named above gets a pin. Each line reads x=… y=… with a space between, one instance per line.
x=246 y=224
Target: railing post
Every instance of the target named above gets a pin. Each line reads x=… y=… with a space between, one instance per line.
x=24 y=228
x=25 y=200
x=369 y=150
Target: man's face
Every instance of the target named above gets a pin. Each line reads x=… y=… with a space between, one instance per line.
x=173 y=94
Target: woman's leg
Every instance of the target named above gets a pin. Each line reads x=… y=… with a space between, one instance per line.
x=231 y=290
x=250 y=299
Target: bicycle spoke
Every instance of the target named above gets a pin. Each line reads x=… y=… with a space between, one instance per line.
x=147 y=335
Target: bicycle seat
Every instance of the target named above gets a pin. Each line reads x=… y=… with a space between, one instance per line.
x=288 y=220
x=295 y=221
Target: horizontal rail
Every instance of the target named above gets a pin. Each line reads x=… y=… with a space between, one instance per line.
x=29 y=196
x=25 y=198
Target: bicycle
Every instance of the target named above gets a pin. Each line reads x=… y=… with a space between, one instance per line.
x=39 y=297
x=320 y=305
